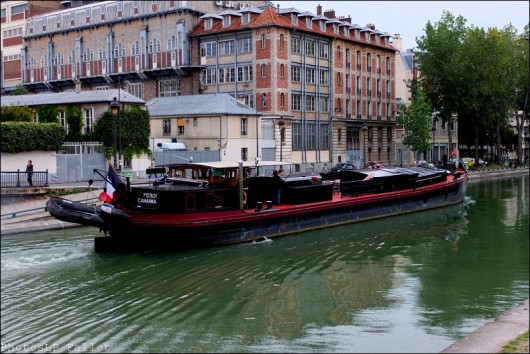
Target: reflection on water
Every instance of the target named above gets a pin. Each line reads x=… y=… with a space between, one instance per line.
x=414 y=283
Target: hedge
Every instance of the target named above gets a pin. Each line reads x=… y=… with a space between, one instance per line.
x=24 y=136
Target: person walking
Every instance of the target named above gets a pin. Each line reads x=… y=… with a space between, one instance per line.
x=29 y=172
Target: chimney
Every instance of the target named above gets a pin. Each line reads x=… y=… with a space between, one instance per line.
x=371 y=26
x=319 y=10
x=77 y=86
x=397 y=41
x=329 y=13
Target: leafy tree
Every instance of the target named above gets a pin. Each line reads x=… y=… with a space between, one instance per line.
x=417 y=120
x=522 y=81
x=134 y=128
x=440 y=65
x=15 y=113
x=74 y=117
x=47 y=114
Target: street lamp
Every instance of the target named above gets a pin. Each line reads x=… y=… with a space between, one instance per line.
x=364 y=129
x=281 y=126
x=433 y=129
x=115 y=109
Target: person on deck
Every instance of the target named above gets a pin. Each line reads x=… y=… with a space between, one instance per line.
x=277 y=185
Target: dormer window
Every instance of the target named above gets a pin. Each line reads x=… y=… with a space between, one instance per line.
x=346 y=31
x=294 y=19
x=377 y=39
x=309 y=22
x=335 y=28
x=323 y=26
x=226 y=21
x=367 y=36
x=208 y=24
x=357 y=34
x=246 y=18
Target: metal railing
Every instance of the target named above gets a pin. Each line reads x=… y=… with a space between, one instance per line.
x=19 y=179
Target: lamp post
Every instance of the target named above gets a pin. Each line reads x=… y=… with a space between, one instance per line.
x=281 y=126
x=433 y=129
x=115 y=109
x=364 y=129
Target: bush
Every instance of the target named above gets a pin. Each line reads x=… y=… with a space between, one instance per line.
x=23 y=136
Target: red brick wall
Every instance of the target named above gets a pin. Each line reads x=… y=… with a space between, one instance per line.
x=12 y=70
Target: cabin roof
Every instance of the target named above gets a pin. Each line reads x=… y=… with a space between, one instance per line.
x=230 y=164
x=55 y=98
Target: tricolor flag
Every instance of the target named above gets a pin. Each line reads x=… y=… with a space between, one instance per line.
x=113 y=181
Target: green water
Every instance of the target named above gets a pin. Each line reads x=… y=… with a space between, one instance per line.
x=415 y=283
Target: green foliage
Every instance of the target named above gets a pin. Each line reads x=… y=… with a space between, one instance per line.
x=47 y=114
x=417 y=120
x=134 y=128
x=15 y=113
x=20 y=90
x=24 y=136
x=74 y=117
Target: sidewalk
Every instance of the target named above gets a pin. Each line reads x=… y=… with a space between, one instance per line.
x=493 y=336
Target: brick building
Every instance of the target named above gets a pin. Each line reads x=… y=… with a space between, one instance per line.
x=13 y=20
x=324 y=75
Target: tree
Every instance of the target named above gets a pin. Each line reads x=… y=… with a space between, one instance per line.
x=134 y=127
x=15 y=113
x=522 y=80
x=47 y=114
x=440 y=65
x=417 y=121
x=20 y=90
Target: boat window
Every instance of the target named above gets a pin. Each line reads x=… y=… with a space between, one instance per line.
x=190 y=202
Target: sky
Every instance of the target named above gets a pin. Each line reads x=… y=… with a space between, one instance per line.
x=408 y=18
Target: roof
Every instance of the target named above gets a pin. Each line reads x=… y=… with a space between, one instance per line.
x=105 y=96
x=232 y=164
x=216 y=103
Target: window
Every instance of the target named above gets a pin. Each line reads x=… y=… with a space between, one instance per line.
x=282 y=100
x=296 y=45
x=323 y=26
x=61 y=116
x=296 y=136
x=310 y=103
x=247 y=99
x=369 y=62
x=89 y=119
x=244 y=45
x=296 y=102
x=208 y=24
x=323 y=49
x=263 y=41
x=169 y=88
x=166 y=126
x=263 y=100
x=245 y=19
x=309 y=22
x=208 y=49
x=227 y=47
x=18 y=9
x=282 y=71
x=324 y=75
x=227 y=75
x=136 y=89
x=209 y=76
x=102 y=52
x=387 y=65
x=171 y=43
x=58 y=60
x=71 y=57
x=119 y=51
x=244 y=126
x=359 y=57
x=310 y=75
x=226 y=21
x=4 y=13
x=339 y=79
x=181 y=130
x=310 y=48
x=154 y=46
x=339 y=52
x=311 y=136
x=282 y=41
x=14 y=32
x=244 y=154
x=263 y=70
x=88 y=55
x=294 y=19
x=324 y=135
x=245 y=73
x=296 y=73
x=324 y=104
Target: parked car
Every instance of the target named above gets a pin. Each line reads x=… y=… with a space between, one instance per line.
x=374 y=165
x=470 y=161
x=343 y=166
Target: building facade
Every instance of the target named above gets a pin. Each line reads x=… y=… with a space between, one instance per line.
x=322 y=75
x=13 y=20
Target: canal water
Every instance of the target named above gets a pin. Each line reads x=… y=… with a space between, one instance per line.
x=413 y=283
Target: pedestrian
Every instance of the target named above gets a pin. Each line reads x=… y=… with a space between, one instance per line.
x=29 y=172
x=277 y=183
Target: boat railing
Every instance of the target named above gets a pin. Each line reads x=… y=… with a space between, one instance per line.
x=186 y=181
